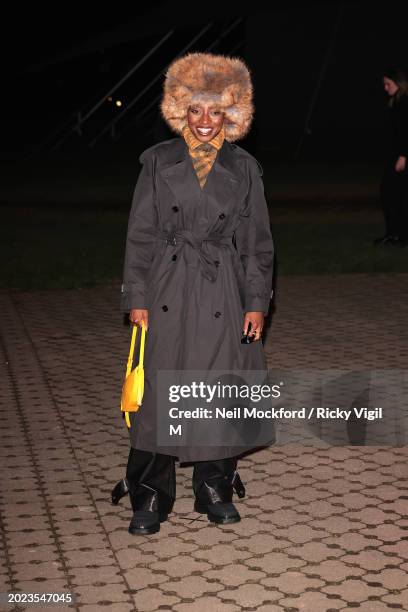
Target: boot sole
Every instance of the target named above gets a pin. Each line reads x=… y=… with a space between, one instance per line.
x=219 y=520
x=149 y=530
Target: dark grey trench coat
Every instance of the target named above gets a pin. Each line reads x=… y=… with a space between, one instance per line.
x=197 y=259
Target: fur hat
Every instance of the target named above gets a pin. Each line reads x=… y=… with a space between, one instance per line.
x=205 y=77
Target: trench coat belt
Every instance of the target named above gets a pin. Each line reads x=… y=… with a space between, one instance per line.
x=208 y=267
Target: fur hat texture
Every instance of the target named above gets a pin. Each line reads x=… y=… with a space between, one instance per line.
x=206 y=77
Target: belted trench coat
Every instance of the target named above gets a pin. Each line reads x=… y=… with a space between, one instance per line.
x=197 y=259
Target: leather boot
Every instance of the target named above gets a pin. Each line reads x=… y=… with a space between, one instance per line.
x=143 y=521
x=151 y=482
x=150 y=508
x=214 y=497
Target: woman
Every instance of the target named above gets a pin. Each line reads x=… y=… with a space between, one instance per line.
x=197 y=274
x=394 y=184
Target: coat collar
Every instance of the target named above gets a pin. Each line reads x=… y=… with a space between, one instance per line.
x=222 y=182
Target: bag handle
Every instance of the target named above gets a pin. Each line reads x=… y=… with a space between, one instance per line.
x=132 y=348
x=142 y=346
x=131 y=351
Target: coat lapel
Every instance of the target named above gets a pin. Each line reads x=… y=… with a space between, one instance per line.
x=178 y=172
x=223 y=181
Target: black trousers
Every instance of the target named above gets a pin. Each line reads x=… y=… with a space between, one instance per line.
x=149 y=473
x=394 y=199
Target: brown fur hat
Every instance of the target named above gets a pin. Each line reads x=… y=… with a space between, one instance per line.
x=199 y=77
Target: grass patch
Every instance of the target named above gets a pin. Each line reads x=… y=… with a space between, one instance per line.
x=60 y=248
x=46 y=247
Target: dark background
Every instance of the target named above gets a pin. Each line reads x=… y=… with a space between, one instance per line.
x=320 y=129
x=319 y=55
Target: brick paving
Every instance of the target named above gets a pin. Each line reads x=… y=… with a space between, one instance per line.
x=323 y=527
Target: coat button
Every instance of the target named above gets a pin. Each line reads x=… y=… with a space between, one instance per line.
x=221 y=216
x=216 y=263
x=217 y=314
x=174 y=257
x=175 y=208
x=165 y=308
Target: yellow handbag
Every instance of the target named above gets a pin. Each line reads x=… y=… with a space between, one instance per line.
x=133 y=387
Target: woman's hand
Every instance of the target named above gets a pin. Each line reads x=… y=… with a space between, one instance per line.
x=401 y=164
x=139 y=316
x=257 y=322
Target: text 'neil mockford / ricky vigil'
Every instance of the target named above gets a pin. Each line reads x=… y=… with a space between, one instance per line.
x=276 y=413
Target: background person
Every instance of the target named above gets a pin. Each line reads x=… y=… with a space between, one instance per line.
x=394 y=184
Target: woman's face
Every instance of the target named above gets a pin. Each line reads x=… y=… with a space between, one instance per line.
x=390 y=86
x=205 y=121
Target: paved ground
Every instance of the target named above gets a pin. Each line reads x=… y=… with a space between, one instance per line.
x=324 y=528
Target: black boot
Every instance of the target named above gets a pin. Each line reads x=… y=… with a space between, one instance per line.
x=213 y=493
x=151 y=481
x=150 y=508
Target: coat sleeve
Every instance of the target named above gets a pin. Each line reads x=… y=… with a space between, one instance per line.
x=254 y=243
x=141 y=238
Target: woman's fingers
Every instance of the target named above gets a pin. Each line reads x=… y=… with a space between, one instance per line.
x=256 y=319
x=256 y=331
x=247 y=321
x=139 y=317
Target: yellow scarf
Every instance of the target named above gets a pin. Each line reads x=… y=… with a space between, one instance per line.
x=203 y=154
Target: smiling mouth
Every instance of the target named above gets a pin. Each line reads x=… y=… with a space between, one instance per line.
x=204 y=131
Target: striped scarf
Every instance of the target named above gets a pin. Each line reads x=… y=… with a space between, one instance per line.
x=203 y=154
